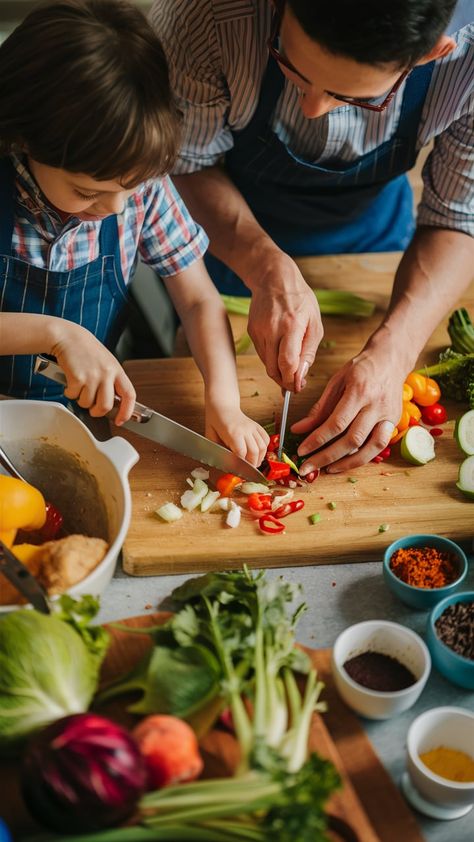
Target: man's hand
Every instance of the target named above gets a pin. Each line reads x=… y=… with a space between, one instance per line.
x=285 y=323
x=355 y=416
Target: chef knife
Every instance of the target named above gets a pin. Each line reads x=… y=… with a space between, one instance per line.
x=21 y=578
x=152 y=425
x=284 y=419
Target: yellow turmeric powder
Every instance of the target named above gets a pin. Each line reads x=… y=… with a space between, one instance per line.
x=450 y=763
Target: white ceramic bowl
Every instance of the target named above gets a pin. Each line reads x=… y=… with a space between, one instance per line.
x=451 y=727
x=87 y=479
x=389 y=639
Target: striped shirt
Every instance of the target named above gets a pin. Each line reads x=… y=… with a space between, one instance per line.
x=154 y=222
x=217 y=53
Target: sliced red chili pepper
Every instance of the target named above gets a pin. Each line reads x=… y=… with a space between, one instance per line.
x=259 y=502
x=288 y=508
x=274 y=443
x=277 y=470
x=269 y=524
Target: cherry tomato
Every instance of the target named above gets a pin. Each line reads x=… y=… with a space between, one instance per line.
x=434 y=414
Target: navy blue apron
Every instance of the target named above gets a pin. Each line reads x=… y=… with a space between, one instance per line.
x=94 y=296
x=310 y=209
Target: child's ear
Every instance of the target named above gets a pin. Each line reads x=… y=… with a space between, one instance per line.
x=443 y=47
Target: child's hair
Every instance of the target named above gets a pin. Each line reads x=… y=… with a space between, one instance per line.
x=84 y=86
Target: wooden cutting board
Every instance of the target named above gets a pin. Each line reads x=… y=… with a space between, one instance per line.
x=408 y=499
x=369 y=802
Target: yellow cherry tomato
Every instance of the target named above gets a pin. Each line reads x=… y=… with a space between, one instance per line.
x=21 y=507
x=394 y=435
x=413 y=410
x=404 y=419
x=407 y=392
x=425 y=390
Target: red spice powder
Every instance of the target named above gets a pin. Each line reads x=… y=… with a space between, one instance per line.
x=424 y=567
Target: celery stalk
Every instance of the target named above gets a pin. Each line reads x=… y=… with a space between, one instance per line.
x=332 y=302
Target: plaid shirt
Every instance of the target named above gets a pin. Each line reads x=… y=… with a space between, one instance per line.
x=154 y=222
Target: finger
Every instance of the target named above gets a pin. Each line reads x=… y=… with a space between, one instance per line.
x=123 y=387
x=74 y=386
x=87 y=395
x=320 y=411
x=311 y=340
x=289 y=355
x=347 y=443
x=104 y=399
x=377 y=441
x=253 y=452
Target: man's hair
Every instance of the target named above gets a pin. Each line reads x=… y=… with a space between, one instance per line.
x=375 y=31
x=84 y=86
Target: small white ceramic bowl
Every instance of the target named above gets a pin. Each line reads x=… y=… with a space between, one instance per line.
x=451 y=727
x=87 y=479
x=389 y=639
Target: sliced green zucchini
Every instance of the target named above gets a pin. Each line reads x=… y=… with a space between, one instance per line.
x=417 y=446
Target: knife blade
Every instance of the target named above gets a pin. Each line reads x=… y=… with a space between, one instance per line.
x=284 y=419
x=152 y=425
x=21 y=578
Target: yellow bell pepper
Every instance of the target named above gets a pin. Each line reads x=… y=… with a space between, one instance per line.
x=21 y=507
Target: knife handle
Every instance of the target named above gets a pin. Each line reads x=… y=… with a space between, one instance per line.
x=48 y=368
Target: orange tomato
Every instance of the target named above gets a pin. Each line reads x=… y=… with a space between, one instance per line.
x=407 y=392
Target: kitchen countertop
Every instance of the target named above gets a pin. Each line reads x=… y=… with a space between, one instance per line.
x=337 y=596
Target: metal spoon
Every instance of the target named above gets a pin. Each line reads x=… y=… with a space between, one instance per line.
x=24 y=581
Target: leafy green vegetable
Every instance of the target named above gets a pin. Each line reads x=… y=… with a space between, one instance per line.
x=46 y=668
x=262 y=806
x=455 y=369
x=80 y=613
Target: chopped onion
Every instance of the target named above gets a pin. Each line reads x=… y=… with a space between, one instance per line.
x=190 y=482
x=223 y=503
x=253 y=488
x=209 y=500
x=169 y=512
x=292 y=483
x=233 y=517
x=191 y=499
x=200 y=473
x=280 y=499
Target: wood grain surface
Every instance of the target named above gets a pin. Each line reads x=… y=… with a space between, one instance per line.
x=369 y=801
x=409 y=499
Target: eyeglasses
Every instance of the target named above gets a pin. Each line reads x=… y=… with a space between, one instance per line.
x=359 y=103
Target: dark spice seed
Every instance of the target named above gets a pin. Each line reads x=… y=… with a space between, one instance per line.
x=379 y=672
x=455 y=627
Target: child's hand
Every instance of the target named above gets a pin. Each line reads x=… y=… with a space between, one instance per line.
x=94 y=376
x=246 y=438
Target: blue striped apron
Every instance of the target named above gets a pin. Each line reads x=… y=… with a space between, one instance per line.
x=94 y=295
x=310 y=209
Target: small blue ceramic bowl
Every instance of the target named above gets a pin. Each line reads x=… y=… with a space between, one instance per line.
x=454 y=667
x=423 y=598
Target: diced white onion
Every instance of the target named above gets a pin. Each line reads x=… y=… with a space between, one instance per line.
x=169 y=512
x=190 y=482
x=292 y=483
x=253 y=488
x=192 y=498
x=223 y=504
x=209 y=500
x=200 y=473
x=233 y=516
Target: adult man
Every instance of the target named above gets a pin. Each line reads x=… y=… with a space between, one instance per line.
x=300 y=120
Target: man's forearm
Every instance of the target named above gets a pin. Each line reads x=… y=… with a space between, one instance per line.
x=235 y=235
x=434 y=272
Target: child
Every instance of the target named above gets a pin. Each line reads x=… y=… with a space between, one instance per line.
x=88 y=131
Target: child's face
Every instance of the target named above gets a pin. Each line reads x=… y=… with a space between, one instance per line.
x=79 y=195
